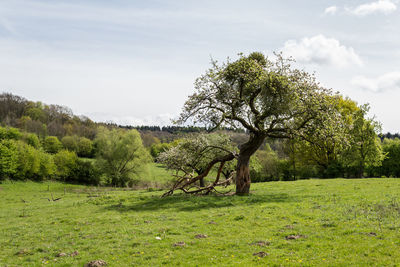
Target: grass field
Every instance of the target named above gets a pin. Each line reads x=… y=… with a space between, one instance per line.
x=304 y=223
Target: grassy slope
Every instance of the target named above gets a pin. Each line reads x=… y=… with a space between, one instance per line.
x=344 y=222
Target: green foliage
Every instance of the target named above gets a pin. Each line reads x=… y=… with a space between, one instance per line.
x=28 y=161
x=47 y=167
x=194 y=153
x=70 y=142
x=158 y=148
x=51 y=144
x=265 y=165
x=391 y=164
x=10 y=133
x=120 y=155
x=8 y=158
x=81 y=145
x=32 y=139
x=36 y=113
x=364 y=149
x=85 y=147
x=19 y=160
x=66 y=163
x=84 y=172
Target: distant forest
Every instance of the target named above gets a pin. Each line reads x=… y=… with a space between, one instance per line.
x=57 y=120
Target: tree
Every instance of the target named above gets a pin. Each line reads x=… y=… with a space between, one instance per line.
x=66 y=162
x=191 y=157
x=267 y=98
x=391 y=163
x=51 y=144
x=365 y=146
x=8 y=158
x=267 y=165
x=85 y=147
x=120 y=155
x=32 y=139
x=70 y=142
x=326 y=138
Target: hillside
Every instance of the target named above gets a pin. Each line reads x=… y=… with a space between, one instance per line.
x=338 y=222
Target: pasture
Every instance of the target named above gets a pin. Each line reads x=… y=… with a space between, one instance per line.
x=336 y=222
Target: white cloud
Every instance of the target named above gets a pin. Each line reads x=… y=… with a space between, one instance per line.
x=321 y=50
x=380 y=6
x=387 y=81
x=331 y=10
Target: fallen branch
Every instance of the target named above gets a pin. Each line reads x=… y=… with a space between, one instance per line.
x=187 y=182
x=52 y=198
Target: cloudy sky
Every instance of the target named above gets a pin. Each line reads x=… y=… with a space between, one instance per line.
x=134 y=62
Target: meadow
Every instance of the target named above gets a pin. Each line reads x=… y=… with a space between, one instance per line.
x=336 y=222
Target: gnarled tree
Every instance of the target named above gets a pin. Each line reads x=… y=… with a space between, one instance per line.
x=266 y=97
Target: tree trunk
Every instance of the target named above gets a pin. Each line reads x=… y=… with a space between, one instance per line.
x=361 y=171
x=202 y=184
x=243 y=179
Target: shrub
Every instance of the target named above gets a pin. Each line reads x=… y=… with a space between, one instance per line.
x=47 y=167
x=32 y=139
x=10 y=133
x=85 y=147
x=85 y=173
x=28 y=161
x=70 y=143
x=8 y=158
x=51 y=144
x=65 y=162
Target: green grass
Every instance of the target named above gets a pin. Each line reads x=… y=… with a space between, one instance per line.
x=154 y=175
x=340 y=223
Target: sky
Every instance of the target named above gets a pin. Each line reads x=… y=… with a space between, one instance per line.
x=135 y=62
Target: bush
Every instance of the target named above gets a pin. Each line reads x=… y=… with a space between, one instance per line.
x=85 y=147
x=28 y=161
x=70 y=143
x=66 y=163
x=85 y=173
x=10 y=133
x=32 y=139
x=51 y=144
x=265 y=165
x=20 y=161
x=47 y=167
x=8 y=158
x=158 y=148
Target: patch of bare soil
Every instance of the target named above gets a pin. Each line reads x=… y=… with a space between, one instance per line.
x=260 y=254
x=96 y=263
x=292 y=237
x=180 y=244
x=23 y=252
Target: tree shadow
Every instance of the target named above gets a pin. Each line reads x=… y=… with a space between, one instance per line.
x=183 y=202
